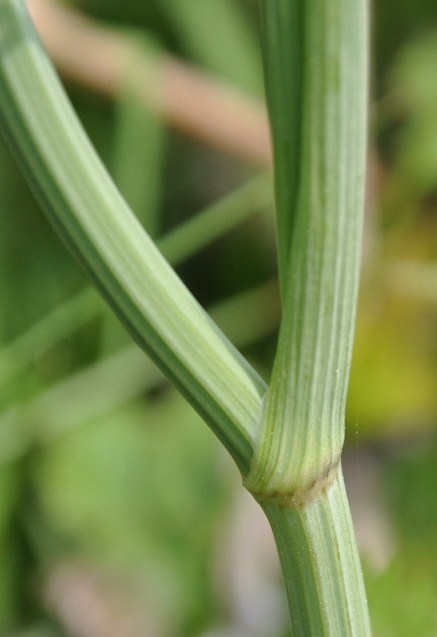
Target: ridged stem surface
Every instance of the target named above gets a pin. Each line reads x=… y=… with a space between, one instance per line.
x=316 y=83
x=321 y=566
x=302 y=428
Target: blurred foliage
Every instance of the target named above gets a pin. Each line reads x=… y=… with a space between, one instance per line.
x=135 y=492
x=133 y=501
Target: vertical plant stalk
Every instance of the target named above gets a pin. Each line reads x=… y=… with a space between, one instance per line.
x=320 y=269
x=316 y=78
x=320 y=563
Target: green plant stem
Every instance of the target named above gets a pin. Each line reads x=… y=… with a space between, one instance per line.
x=94 y=221
x=316 y=75
x=302 y=428
x=321 y=566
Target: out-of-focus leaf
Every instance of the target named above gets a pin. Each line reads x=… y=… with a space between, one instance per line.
x=414 y=83
x=10 y=492
x=140 y=490
x=216 y=33
x=403 y=597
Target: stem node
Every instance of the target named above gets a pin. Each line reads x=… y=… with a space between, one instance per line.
x=298 y=496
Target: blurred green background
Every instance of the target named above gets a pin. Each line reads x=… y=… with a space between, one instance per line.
x=120 y=515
